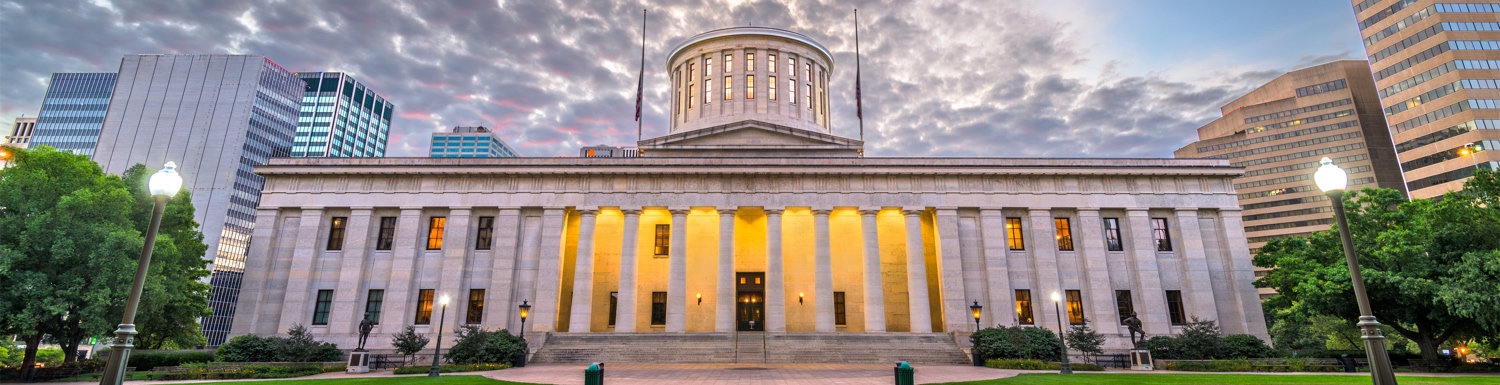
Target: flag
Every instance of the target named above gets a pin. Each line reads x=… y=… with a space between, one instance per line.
x=640 y=78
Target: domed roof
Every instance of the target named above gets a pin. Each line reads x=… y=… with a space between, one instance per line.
x=763 y=31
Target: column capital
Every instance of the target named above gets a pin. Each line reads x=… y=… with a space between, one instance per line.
x=312 y=208
x=869 y=211
x=460 y=210
x=679 y=211
x=772 y=211
x=1044 y=210
x=362 y=208
x=630 y=211
x=1134 y=211
x=727 y=211
x=992 y=209
x=509 y=210
x=822 y=211
x=1185 y=210
x=912 y=212
x=587 y=210
x=411 y=208
x=1089 y=211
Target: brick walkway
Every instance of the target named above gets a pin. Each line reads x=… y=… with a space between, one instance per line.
x=780 y=374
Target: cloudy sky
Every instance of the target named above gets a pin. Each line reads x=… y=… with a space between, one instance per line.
x=1055 y=78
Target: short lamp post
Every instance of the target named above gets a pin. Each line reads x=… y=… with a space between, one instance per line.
x=525 y=311
x=977 y=310
x=1332 y=180
x=162 y=186
x=1061 y=334
x=442 y=319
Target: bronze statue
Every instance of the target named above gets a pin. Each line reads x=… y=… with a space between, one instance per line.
x=364 y=331
x=1134 y=324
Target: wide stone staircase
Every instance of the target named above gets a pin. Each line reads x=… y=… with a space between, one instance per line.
x=749 y=347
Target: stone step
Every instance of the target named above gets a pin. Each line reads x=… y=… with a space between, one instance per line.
x=749 y=347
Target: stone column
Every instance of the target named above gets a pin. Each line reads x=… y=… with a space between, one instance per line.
x=625 y=310
x=404 y=251
x=548 y=271
x=874 y=293
x=1001 y=307
x=1044 y=255
x=296 y=307
x=503 y=313
x=583 y=272
x=347 y=312
x=724 y=319
x=677 y=273
x=1098 y=294
x=1153 y=308
x=455 y=247
x=257 y=272
x=916 y=273
x=775 y=297
x=1198 y=291
x=822 y=274
x=1232 y=226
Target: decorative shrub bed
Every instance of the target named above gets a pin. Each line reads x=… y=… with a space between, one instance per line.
x=451 y=368
x=1027 y=364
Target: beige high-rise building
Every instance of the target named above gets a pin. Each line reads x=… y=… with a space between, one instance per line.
x=1437 y=68
x=1279 y=131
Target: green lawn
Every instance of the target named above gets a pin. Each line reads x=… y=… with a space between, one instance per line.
x=1224 y=379
x=446 y=379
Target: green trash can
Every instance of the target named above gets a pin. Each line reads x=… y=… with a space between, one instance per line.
x=905 y=375
x=594 y=375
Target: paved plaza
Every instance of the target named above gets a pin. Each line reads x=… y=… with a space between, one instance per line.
x=781 y=374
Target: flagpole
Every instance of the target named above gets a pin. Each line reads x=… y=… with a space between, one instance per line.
x=859 y=107
x=640 y=79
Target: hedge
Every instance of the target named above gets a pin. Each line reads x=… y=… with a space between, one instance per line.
x=1026 y=364
x=451 y=368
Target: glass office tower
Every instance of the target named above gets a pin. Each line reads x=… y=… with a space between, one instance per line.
x=341 y=118
x=469 y=142
x=73 y=111
x=1437 y=68
x=217 y=116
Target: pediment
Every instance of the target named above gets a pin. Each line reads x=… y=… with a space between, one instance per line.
x=751 y=134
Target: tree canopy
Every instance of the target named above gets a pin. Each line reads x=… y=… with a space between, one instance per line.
x=1431 y=266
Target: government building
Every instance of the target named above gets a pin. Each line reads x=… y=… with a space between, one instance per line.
x=749 y=221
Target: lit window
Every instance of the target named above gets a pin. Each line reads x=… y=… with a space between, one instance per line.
x=663 y=239
x=1013 y=234
x=708 y=91
x=1064 y=234
x=791 y=89
x=1023 y=307
x=728 y=85
x=771 y=65
x=708 y=67
x=424 y=307
x=435 y=227
x=749 y=86
x=336 y=233
x=749 y=62
x=772 y=84
x=791 y=66
x=728 y=64
x=1075 y=307
x=1160 y=233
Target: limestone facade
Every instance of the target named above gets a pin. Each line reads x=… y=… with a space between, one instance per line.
x=907 y=244
x=750 y=73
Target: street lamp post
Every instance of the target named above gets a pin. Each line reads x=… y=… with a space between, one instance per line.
x=976 y=309
x=525 y=311
x=1332 y=180
x=442 y=319
x=1061 y=334
x=162 y=186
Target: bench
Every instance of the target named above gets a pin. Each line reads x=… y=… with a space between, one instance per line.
x=49 y=374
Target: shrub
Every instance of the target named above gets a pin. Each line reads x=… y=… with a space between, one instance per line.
x=408 y=342
x=1200 y=340
x=1028 y=364
x=1244 y=346
x=477 y=346
x=1017 y=342
x=248 y=348
x=299 y=346
x=1084 y=339
x=451 y=368
x=144 y=361
x=1235 y=365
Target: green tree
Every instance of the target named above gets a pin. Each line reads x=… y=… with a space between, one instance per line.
x=175 y=296
x=1085 y=340
x=1431 y=267
x=408 y=342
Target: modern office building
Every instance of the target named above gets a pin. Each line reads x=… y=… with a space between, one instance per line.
x=469 y=142
x=73 y=111
x=20 y=132
x=760 y=234
x=1279 y=131
x=1436 y=65
x=217 y=116
x=341 y=118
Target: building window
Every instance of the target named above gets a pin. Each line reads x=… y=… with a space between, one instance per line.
x=708 y=67
x=1064 y=234
x=1075 y=307
x=749 y=86
x=614 y=306
x=772 y=60
x=663 y=240
x=476 y=307
x=791 y=66
x=435 y=227
x=387 y=233
x=809 y=71
x=692 y=96
x=839 y=316
x=708 y=91
x=728 y=85
x=728 y=64
x=424 y=307
x=1112 y=234
x=749 y=61
x=658 y=308
x=1160 y=233
x=325 y=304
x=809 y=95
x=772 y=84
x=336 y=233
x=1174 y=307
x=791 y=89
x=1013 y=234
x=373 y=303
x=1123 y=304
x=1023 y=307
x=486 y=233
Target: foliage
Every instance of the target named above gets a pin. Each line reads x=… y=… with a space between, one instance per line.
x=1232 y=365
x=10 y=355
x=451 y=368
x=50 y=356
x=200 y=371
x=475 y=346
x=299 y=346
x=1431 y=267
x=1027 y=364
x=1244 y=346
x=175 y=296
x=1085 y=340
x=144 y=361
x=1017 y=342
x=1201 y=340
x=408 y=341
x=1215 y=378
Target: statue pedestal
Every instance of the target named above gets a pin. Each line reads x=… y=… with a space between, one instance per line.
x=1140 y=360
x=359 y=362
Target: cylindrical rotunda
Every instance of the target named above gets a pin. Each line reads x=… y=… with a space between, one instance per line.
x=750 y=73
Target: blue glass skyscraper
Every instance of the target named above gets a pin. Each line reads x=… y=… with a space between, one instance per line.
x=469 y=142
x=73 y=111
x=217 y=116
x=340 y=117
